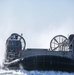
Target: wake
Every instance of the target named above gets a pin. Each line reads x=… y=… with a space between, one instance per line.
x=24 y=72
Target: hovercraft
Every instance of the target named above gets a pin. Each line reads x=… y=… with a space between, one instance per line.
x=59 y=57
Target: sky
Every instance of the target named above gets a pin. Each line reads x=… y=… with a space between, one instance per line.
x=38 y=20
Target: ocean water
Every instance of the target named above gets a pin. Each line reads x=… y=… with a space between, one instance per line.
x=24 y=72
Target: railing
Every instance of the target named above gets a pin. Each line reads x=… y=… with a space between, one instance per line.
x=35 y=52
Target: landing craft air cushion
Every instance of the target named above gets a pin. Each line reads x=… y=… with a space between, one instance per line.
x=59 y=57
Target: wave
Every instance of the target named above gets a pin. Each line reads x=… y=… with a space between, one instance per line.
x=24 y=72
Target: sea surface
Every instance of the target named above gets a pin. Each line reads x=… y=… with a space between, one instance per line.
x=25 y=72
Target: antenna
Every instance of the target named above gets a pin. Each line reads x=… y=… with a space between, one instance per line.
x=21 y=34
